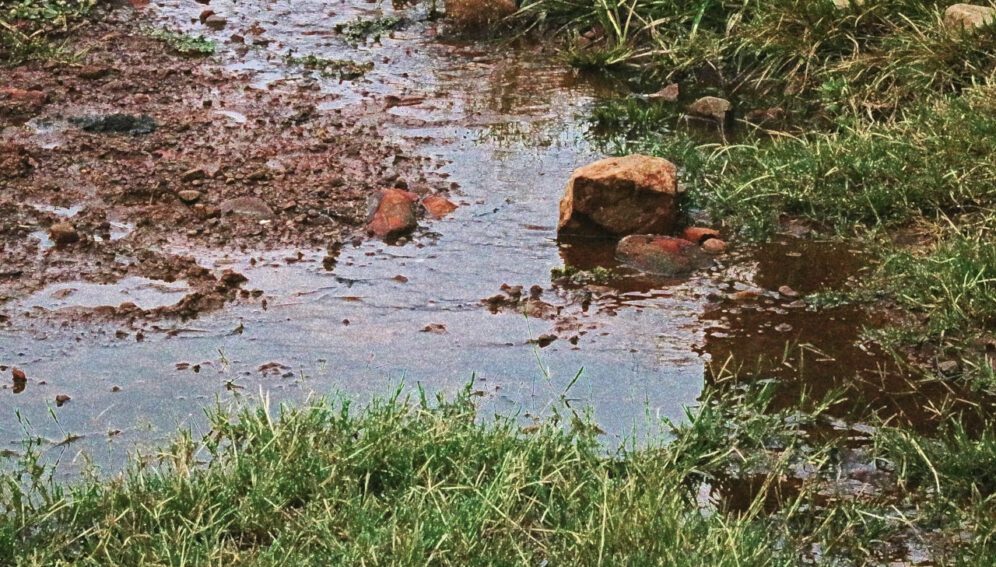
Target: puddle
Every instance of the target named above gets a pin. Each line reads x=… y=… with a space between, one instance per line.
x=143 y=292
x=504 y=122
x=62 y=212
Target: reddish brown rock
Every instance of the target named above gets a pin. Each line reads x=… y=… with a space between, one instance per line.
x=19 y=376
x=438 y=206
x=63 y=233
x=394 y=214
x=62 y=400
x=619 y=196
x=22 y=100
x=699 y=234
x=662 y=255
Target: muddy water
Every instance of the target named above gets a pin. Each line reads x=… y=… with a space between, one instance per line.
x=505 y=126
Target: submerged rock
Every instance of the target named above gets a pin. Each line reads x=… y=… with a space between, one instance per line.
x=636 y=194
x=662 y=255
x=438 y=206
x=968 y=16
x=393 y=214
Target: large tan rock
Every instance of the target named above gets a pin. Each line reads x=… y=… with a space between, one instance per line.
x=479 y=13
x=968 y=16
x=636 y=194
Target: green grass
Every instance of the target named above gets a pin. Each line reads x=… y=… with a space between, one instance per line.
x=335 y=68
x=430 y=483
x=362 y=30
x=31 y=29
x=182 y=43
x=882 y=53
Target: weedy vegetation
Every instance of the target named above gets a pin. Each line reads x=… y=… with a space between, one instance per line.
x=872 y=120
x=402 y=483
x=335 y=68
x=182 y=43
x=34 y=28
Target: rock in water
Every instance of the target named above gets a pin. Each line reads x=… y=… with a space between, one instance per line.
x=711 y=107
x=662 y=255
x=394 y=214
x=636 y=194
x=968 y=16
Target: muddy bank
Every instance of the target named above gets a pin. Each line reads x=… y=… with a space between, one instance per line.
x=120 y=164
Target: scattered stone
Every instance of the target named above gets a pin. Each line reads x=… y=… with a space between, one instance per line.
x=786 y=291
x=844 y=4
x=94 y=72
x=968 y=16
x=189 y=196
x=116 y=124
x=61 y=400
x=438 y=206
x=948 y=367
x=661 y=255
x=247 y=206
x=63 y=233
x=798 y=304
x=193 y=175
x=765 y=116
x=711 y=107
x=783 y=328
x=215 y=22
x=393 y=214
x=479 y=13
x=18 y=375
x=435 y=328
x=745 y=295
x=205 y=15
x=699 y=234
x=636 y=194
x=544 y=341
x=670 y=93
x=714 y=246
x=230 y=279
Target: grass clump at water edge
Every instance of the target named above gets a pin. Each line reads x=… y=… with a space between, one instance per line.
x=401 y=483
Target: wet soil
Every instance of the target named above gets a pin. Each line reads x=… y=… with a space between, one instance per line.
x=269 y=170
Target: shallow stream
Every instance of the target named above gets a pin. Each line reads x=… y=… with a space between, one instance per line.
x=507 y=125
